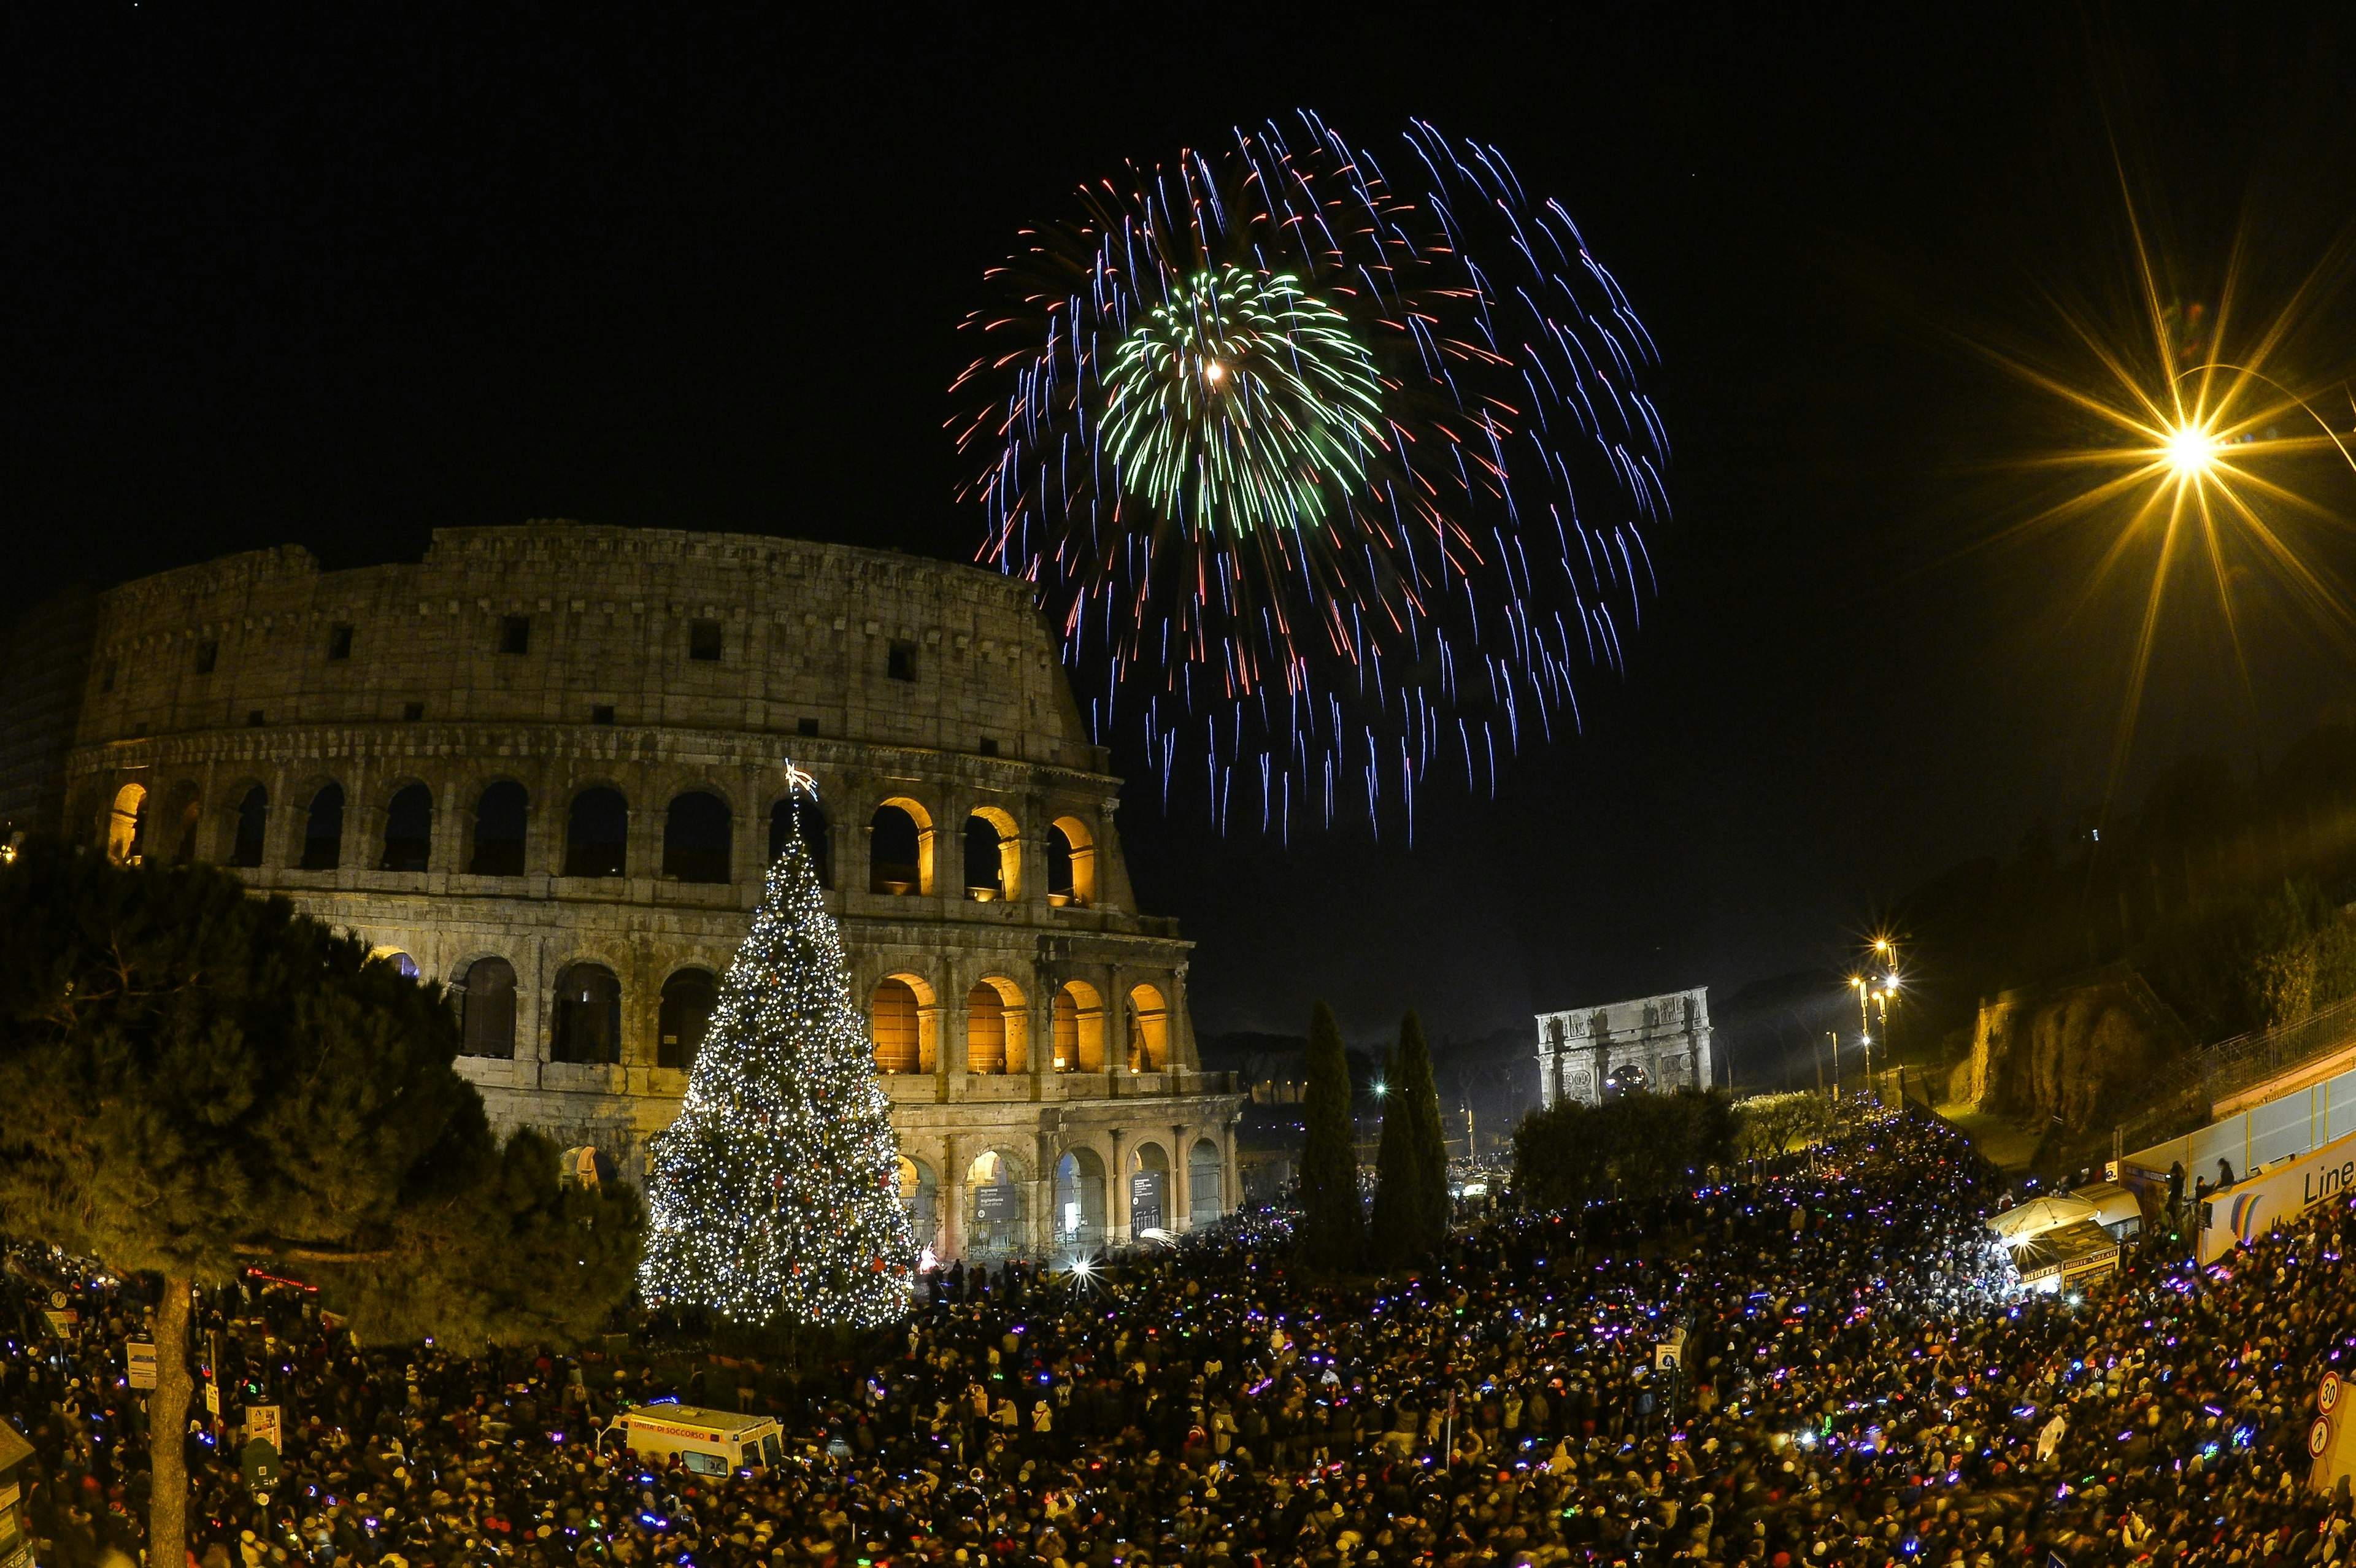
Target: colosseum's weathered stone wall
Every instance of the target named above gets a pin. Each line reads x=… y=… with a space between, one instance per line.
x=482 y=760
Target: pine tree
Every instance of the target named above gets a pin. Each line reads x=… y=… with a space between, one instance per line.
x=1413 y=1084
x=1332 y=1223
x=192 y=1081
x=775 y=1196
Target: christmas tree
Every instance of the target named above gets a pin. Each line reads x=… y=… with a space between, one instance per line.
x=775 y=1196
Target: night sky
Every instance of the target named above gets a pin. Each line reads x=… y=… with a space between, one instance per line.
x=341 y=275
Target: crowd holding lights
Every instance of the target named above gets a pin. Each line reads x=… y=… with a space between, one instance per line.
x=1862 y=1386
x=1332 y=464
x=775 y=1195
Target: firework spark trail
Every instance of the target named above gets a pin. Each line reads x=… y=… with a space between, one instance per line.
x=1242 y=417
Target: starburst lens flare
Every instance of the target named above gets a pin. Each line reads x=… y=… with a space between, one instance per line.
x=2193 y=462
x=2191 y=450
x=1333 y=468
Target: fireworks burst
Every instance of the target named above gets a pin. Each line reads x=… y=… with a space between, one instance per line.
x=1328 y=480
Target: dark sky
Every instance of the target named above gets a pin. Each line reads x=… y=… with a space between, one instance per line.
x=343 y=274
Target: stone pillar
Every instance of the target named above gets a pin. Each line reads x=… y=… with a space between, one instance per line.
x=954 y=1041
x=1044 y=1218
x=1179 y=1024
x=449 y=851
x=1117 y=1197
x=1116 y=1027
x=1180 y=1196
x=952 y=1220
x=1231 y=1194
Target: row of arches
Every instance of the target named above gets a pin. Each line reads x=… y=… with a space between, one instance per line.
x=585 y=1020
x=699 y=831
x=904 y=856
x=1081 y=1211
x=585 y=1014
x=904 y=1014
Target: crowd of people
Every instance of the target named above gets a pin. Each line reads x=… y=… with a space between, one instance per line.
x=1858 y=1382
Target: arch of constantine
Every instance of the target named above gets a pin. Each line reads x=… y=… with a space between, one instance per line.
x=547 y=765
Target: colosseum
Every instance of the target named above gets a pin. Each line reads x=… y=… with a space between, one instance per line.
x=547 y=765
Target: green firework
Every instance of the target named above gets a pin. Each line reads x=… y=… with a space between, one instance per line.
x=1244 y=404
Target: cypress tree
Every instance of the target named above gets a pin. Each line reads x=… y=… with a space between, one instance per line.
x=192 y=1081
x=1395 y=1236
x=1332 y=1225
x=1412 y=1083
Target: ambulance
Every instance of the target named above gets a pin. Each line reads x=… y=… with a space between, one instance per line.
x=708 y=1442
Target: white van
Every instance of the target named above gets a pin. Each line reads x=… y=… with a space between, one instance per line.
x=709 y=1442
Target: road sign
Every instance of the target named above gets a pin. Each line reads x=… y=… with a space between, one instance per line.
x=139 y=1364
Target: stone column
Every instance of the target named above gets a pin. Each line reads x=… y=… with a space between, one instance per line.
x=1231 y=1193
x=1117 y=1195
x=449 y=851
x=954 y=1033
x=1180 y=1196
x=1116 y=1027
x=1178 y=1026
x=953 y=1201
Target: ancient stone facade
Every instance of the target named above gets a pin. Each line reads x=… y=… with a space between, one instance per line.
x=1658 y=1043
x=547 y=765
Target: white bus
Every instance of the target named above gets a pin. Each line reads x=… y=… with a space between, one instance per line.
x=2243 y=1213
x=709 y=1442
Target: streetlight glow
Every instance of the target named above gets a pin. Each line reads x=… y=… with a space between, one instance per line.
x=2190 y=450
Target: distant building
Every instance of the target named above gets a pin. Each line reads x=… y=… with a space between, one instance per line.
x=1658 y=1043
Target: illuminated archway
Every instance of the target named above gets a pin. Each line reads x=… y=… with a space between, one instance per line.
x=997 y=1032
x=1148 y=1030
x=1071 y=862
x=903 y=1022
x=1080 y=1028
x=993 y=856
x=900 y=848
x=126 y=824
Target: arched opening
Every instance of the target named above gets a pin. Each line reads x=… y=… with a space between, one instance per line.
x=798 y=816
x=904 y=1025
x=1148 y=1030
x=1148 y=1188
x=1080 y=1200
x=1205 y=1200
x=920 y=1196
x=695 y=838
x=402 y=964
x=688 y=999
x=1071 y=862
x=322 y=830
x=996 y=1036
x=587 y=1022
x=189 y=817
x=892 y=1025
x=1080 y=1028
x=1625 y=1079
x=252 y=819
x=126 y=824
x=489 y=1013
x=597 y=834
x=501 y=814
x=408 y=830
x=898 y=837
x=993 y=856
x=995 y=1197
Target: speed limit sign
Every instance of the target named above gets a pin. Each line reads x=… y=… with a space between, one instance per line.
x=2328 y=1396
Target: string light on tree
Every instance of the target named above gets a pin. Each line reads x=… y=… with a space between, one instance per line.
x=775 y=1196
